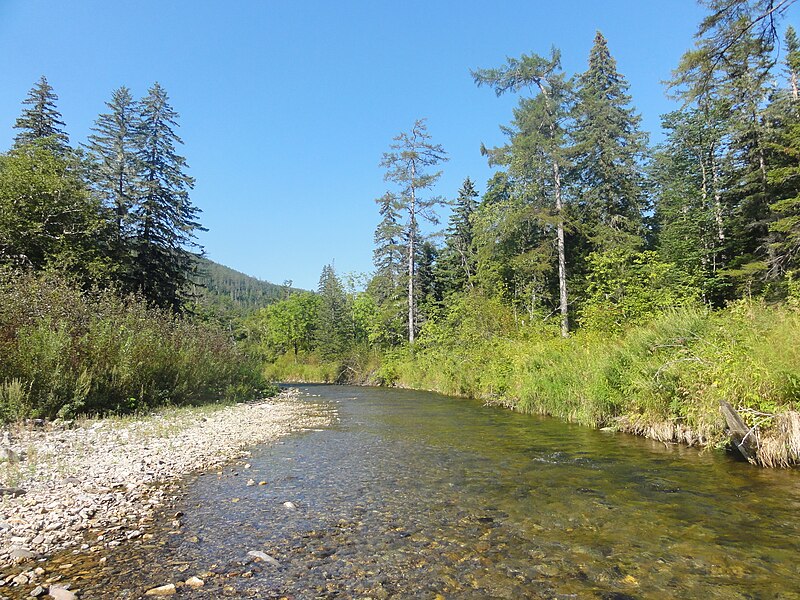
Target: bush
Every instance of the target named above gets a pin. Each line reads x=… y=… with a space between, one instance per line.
x=64 y=351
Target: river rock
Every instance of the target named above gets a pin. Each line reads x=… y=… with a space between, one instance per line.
x=263 y=556
x=164 y=590
x=20 y=554
x=60 y=593
x=8 y=455
x=37 y=591
x=195 y=582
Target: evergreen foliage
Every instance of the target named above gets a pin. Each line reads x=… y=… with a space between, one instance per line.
x=164 y=219
x=457 y=263
x=607 y=154
x=118 y=171
x=407 y=165
x=41 y=120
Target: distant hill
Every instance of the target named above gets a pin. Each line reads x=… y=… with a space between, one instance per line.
x=223 y=290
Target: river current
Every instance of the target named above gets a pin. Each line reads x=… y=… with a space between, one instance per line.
x=417 y=495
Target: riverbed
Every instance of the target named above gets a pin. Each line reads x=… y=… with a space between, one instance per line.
x=416 y=495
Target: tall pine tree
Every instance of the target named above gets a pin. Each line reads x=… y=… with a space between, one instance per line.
x=41 y=120
x=537 y=154
x=407 y=165
x=164 y=219
x=607 y=154
x=457 y=262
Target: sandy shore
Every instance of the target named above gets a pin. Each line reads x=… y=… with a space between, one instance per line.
x=96 y=484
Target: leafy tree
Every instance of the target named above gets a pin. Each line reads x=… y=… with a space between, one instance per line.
x=536 y=155
x=48 y=218
x=607 y=152
x=288 y=325
x=629 y=288
x=41 y=121
x=407 y=164
x=164 y=219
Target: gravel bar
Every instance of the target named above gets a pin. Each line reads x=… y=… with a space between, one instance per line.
x=95 y=484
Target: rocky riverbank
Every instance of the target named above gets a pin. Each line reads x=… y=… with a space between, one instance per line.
x=96 y=484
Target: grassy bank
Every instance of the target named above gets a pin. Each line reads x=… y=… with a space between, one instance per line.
x=64 y=351
x=663 y=379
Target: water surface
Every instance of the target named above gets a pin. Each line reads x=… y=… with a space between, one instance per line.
x=416 y=495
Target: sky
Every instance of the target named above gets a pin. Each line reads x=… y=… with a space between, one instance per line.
x=286 y=108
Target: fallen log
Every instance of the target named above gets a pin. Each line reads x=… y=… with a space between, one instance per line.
x=744 y=438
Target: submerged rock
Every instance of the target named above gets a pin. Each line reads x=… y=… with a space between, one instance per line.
x=61 y=593
x=263 y=556
x=163 y=590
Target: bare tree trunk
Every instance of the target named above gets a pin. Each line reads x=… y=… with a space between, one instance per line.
x=412 y=234
x=562 y=259
x=793 y=81
x=717 y=199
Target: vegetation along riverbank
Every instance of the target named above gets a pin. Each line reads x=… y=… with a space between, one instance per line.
x=597 y=278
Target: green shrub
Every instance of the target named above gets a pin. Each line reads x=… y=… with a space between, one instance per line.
x=64 y=351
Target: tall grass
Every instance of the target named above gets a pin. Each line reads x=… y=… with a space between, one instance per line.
x=64 y=351
x=663 y=379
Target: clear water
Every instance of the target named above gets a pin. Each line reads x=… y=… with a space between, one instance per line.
x=416 y=495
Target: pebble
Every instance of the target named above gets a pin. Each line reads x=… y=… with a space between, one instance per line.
x=195 y=582
x=98 y=476
x=20 y=554
x=37 y=591
x=263 y=556
x=60 y=593
x=290 y=505
x=164 y=590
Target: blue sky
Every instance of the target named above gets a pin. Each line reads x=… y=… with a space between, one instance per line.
x=287 y=107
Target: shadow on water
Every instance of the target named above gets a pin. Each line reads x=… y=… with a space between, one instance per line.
x=416 y=495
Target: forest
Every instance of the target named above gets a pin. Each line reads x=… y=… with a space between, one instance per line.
x=598 y=278
x=100 y=269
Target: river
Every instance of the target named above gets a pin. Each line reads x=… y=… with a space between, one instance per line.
x=417 y=495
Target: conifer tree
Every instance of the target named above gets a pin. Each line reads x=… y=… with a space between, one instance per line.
x=388 y=254
x=41 y=120
x=407 y=164
x=457 y=263
x=607 y=155
x=164 y=218
x=536 y=155
x=332 y=326
x=112 y=145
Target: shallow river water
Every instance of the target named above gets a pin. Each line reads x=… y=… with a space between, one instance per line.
x=416 y=495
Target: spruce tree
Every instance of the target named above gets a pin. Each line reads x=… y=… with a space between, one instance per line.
x=113 y=147
x=332 y=326
x=41 y=120
x=164 y=219
x=457 y=263
x=607 y=155
x=389 y=249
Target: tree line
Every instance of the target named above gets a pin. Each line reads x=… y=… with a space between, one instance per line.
x=584 y=224
x=112 y=212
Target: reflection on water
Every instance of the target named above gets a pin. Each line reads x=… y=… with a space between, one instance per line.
x=415 y=495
